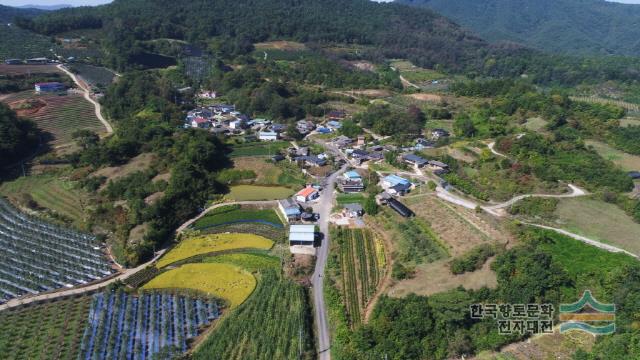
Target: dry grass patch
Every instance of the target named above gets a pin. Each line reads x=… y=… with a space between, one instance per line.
x=625 y=160
x=548 y=346
x=599 y=221
x=280 y=45
x=536 y=124
x=630 y=121
x=138 y=163
x=436 y=277
x=432 y=98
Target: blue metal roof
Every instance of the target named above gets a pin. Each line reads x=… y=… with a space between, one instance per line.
x=396 y=180
x=352 y=175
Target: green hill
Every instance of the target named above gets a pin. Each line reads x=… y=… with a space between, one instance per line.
x=594 y=27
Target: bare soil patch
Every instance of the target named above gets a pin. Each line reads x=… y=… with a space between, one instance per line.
x=280 y=45
x=549 y=346
x=28 y=69
x=27 y=107
x=151 y=199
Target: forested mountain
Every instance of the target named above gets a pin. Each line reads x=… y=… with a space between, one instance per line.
x=563 y=26
x=7 y=13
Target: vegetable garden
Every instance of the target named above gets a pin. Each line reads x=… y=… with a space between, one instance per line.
x=360 y=266
x=151 y=326
x=38 y=256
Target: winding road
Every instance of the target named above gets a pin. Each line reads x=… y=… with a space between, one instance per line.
x=87 y=96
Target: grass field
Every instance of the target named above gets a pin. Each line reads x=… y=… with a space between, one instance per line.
x=139 y=163
x=357 y=198
x=252 y=262
x=57 y=115
x=50 y=192
x=47 y=331
x=259 y=148
x=235 y=214
x=213 y=243
x=257 y=192
x=600 y=221
x=625 y=160
x=224 y=281
x=268 y=173
x=579 y=258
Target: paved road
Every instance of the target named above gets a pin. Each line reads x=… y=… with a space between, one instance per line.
x=323 y=207
x=87 y=96
x=77 y=291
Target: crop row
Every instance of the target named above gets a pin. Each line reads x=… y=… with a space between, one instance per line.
x=45 y=331
x=349 y=279
x=38 y=256
x=150 y=326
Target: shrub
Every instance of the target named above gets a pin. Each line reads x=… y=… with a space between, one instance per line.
x=472 y=260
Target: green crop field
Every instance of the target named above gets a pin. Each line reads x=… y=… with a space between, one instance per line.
x=256 y=193
x=22 y=44
x=48 y=331
x=274 y=323
x=50 y=192
x=252 y=262
x=360 y=268
x=343 y=199
x=259 y=148
x=234 y=214
x=57 y=115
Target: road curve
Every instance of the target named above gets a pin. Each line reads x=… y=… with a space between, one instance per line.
x=79 y=290
x=87 y=96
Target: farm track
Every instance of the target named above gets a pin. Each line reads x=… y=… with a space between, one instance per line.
x=87 y=96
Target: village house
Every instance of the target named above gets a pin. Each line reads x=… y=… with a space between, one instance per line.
x=396 y=185
x=361 y=140
x=307 y=194
x=311 y=160
x=206 y=94
x=415 y=160
x=290 y=209
x=334 y=125
x=437 y=165
x=200 y=123
x=323 y=130
x=337 y=114
x=422 y=144
x=268 y=136
x=13 y=61
x=342 y=141
x=305 y=126
x=279 y=128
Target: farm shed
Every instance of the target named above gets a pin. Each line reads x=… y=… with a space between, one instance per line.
x=290 y=209
x=302 y=235
x=400 y=208
x=415 y=160
x=307 y=194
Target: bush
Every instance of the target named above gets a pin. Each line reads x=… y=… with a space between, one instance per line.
x=472 y=260
x=535 y=207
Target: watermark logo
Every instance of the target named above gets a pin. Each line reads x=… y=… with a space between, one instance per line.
x=517 y=318
x=589 y=315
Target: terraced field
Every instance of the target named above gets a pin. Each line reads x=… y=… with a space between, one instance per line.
x=47 y=331
x=58 y=115
x=222 y=281
x=49 y=192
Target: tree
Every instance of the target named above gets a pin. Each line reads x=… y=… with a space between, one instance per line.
x=85 y=138
x=18 y=137
x=350 y=129
x=293 y=132
x=463 y=126
x=370 y=205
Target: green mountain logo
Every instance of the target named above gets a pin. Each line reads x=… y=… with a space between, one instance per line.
x=578 y=316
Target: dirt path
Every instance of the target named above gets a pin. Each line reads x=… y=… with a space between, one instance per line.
x=408 y=83
x=87 y=96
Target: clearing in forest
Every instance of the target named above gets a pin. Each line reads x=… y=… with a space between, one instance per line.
x=625 y=160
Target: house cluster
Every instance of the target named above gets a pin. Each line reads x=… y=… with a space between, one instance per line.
x=224 y=119
x=358 y=151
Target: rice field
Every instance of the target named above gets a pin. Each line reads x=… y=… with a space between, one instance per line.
x=211 y=243
x=57 y=115
x=223 y=281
